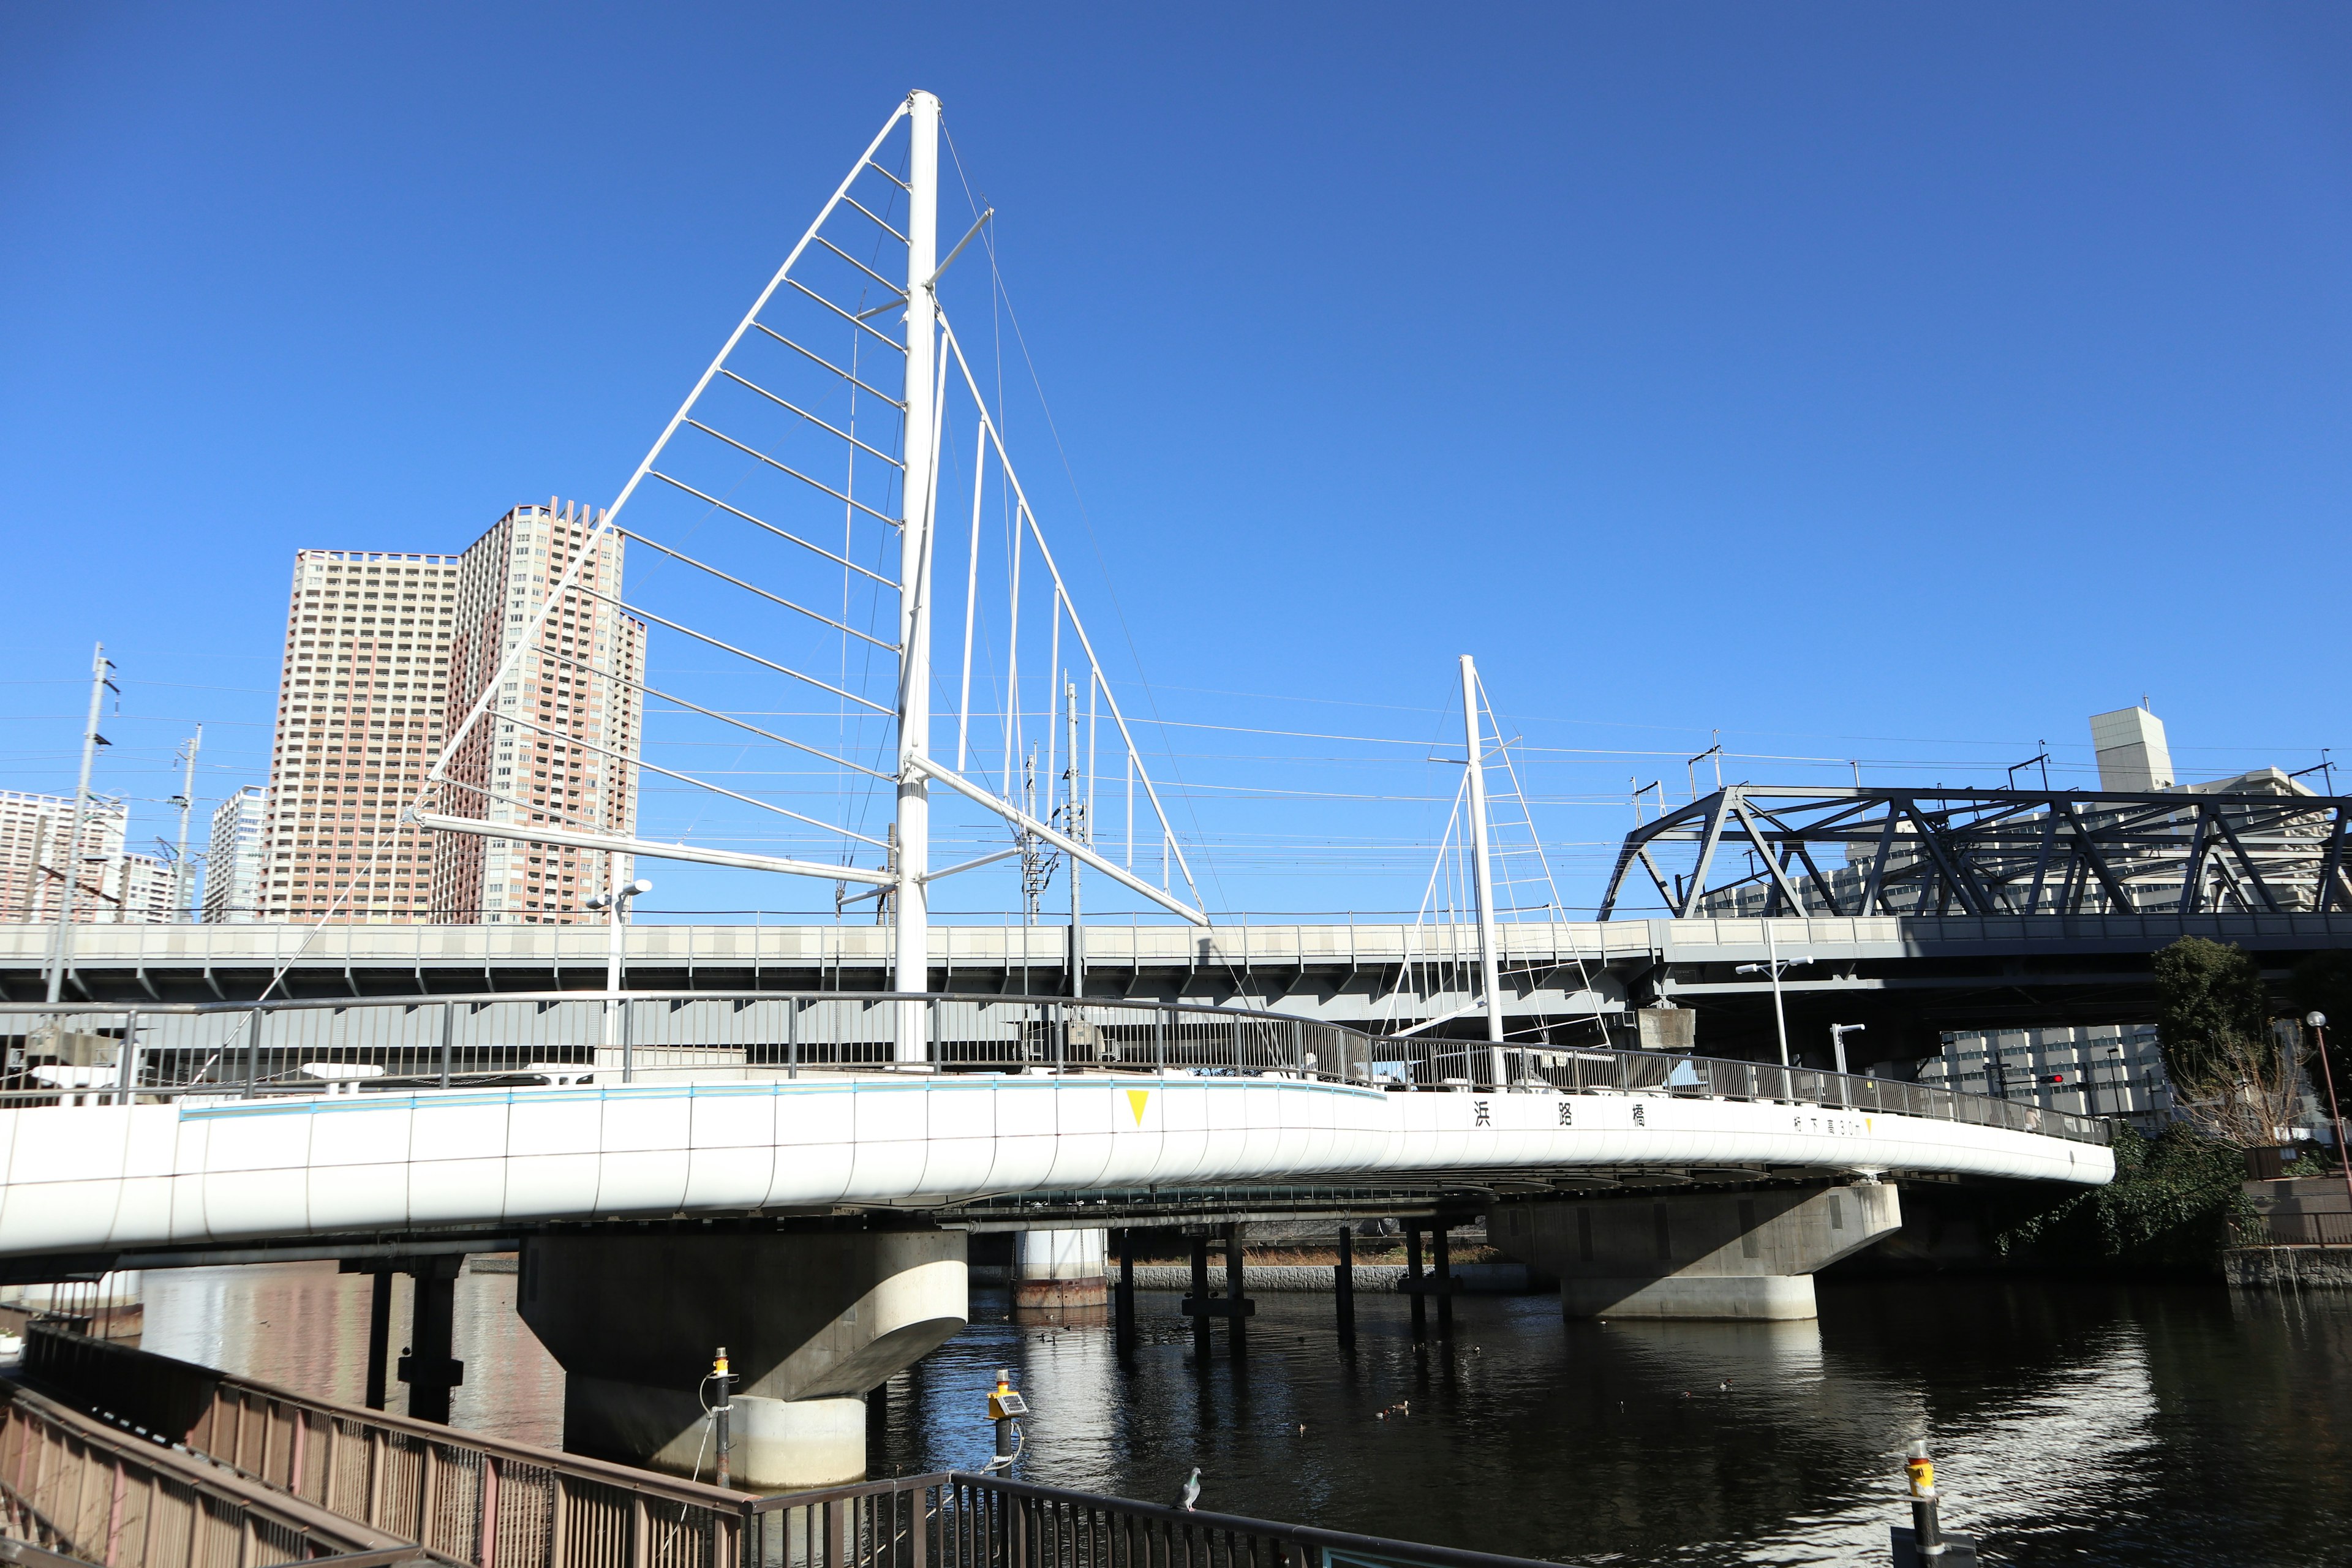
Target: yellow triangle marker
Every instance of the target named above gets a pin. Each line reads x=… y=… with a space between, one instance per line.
x=1139 y=1098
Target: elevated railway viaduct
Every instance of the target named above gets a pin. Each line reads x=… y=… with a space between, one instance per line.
x=1909 y=977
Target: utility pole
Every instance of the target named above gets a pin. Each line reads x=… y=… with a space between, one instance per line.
x=1489 y=976
x=184 y=891
x=61 y=948
x=912 y=969
x=1074 y=823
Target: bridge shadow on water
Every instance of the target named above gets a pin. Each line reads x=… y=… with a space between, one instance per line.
x=2073 y=1423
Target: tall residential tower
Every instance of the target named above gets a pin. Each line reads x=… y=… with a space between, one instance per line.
x=559 y=743
x=361 y=706
x=380 y=651
x=233 y=867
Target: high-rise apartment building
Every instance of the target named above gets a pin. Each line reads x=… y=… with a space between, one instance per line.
x=383 y=654
x=558 y=744
x=33 y=856
x=117 y=887
x=140 y=891
x=233 y=867
x=360 y=707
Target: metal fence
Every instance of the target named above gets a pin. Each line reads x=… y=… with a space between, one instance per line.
x=467 y=1498
x=956 y=1520
x=95 y=1053
x=78 y=1487
x=496 y=1504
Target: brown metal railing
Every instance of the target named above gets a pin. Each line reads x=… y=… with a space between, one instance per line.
x=77 y=1487
x=955 y=1520
x=470 y=1498
x=496 y=1504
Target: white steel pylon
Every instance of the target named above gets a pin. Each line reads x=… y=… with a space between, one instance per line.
x=1475 y=881
x=786 y=528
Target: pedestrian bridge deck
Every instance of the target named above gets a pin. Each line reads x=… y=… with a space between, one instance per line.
x=182 y=1126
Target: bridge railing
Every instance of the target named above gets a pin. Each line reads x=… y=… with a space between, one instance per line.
x=492 y=1503
x=86 y=1489
x=107 y=1053
x=466 y=1498
x=957 y=1520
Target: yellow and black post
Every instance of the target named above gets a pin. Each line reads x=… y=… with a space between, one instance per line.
x=1924 y=1544
x=723 y=1384
x=1005 y=1407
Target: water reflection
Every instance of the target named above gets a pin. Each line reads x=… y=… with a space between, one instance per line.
x=2075 y=1424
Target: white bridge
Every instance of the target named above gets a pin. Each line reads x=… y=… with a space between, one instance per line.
x=771 y=1173
x=208 y=1125
x=117 y=1178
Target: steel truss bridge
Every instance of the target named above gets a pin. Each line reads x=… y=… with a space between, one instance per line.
x=1766 y=850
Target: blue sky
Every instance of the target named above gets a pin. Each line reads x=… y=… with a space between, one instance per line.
x=1891 y=383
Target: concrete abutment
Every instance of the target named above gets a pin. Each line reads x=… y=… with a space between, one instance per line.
x=811 y=1323
x=1694 y=1254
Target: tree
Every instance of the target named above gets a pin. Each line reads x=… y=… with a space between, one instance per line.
x=2212 y=1014
x=2230 y=1077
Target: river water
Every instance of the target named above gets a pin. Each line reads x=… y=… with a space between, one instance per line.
x=2074 y=1424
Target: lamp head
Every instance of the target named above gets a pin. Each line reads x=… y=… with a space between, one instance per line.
x=2316 y=1020
x=640 y=885
x=597 y=901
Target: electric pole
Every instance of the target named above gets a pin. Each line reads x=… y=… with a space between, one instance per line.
x=61 y=948
x=184 y=892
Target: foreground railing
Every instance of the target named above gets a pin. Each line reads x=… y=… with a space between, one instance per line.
x=107 y=1053
x=83 y=1489
x=469 y=1498
x=956 y=1520
x=497 y=1504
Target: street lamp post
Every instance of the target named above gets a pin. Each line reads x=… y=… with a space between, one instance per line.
x=2318 y=1022
x=1838 y=1032
x=1774 y=965
x=615 y=923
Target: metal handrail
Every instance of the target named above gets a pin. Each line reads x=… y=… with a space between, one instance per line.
x=187 y=1514
x=496 y=1503
x=468 y=1498
x=372 y=1045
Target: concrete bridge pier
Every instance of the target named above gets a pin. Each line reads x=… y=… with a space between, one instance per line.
x=1058 y=1276
x=811 y=1322
x=1736 y=1255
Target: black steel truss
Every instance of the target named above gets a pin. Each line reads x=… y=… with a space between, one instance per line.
x=1762 y=850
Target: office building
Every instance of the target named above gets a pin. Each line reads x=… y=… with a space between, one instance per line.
x=2104 y=1069
x=559 y=741
x=233 y=865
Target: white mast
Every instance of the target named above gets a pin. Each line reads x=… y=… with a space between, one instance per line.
x=1074 y=821
x=1488 y=979
x=912 y=969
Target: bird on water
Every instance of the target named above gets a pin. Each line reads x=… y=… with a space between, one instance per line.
x=1191 y=1490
